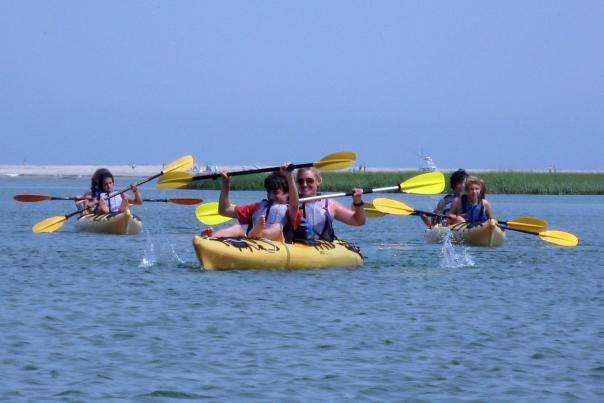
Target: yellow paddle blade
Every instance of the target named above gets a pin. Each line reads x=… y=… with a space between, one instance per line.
x=535 y=225
x=371 y=211
x=426 y=184
x=339 y=160
x=559 y=238
x=207 y=213
x=173 y=180
x=182 y=164
x=390 y=206
x=50 y=224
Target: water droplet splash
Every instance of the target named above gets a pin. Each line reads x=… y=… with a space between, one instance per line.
x=452 y=257
x=149 y=257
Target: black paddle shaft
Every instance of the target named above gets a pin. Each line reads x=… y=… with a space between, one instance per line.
x=291 y=167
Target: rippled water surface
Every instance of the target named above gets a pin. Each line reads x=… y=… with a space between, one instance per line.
x=88 y=317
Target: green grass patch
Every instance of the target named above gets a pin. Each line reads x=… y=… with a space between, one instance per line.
x=504 y=182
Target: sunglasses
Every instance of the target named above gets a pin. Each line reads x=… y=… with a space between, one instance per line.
x=309 y=181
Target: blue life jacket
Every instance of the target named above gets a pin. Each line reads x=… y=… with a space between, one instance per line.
x=473 y=212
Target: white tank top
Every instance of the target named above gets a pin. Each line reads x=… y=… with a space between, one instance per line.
x=114 y=203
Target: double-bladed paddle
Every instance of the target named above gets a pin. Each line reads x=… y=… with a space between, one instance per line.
x=38 y=198
x=527 y=225
x=428 y=183
x=391 y=206
x=425 y=184
x=52 y=224
x=334 y=161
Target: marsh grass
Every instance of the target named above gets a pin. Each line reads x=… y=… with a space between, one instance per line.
x=503 y=182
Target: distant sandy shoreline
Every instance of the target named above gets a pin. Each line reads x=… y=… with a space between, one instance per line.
x=122 y=170
x=149 y=170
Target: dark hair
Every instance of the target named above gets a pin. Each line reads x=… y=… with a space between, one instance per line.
x=96 y=182
x=458 y=176
x=276 y=181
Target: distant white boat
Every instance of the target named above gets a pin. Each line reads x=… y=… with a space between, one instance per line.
x=427 y=164
x=207 y=169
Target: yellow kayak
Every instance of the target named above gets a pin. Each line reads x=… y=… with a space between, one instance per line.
x=124 y=223
x=487 y=233
x=244 y=253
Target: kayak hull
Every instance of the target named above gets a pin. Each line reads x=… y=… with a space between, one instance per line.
x=124 y=223
x=244 y=253
x=487 y=234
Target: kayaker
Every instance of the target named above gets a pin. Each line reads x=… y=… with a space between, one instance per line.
x=101 y=186
x=265 y=219
x=471 y=207
x=457 y=181
x=318 y=215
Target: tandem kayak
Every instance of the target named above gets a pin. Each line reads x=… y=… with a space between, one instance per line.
x=245 y=253
x=124 y=223
x=487 y=233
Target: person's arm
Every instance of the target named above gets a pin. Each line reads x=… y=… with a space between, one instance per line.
x=293 y=205
x=453 y=215
x=356 y=215
x=138 y=199
x=224 y=203
x=103 y=208
x=428 y=220
x=487 y=209
x=440 y=206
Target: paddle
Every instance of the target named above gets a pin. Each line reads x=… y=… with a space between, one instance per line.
x=207 y=213
x=429 y=183
x=334 y=161
x=37 y=198
x=527 y=225
x=371 y=211
x=52 y=224
x=391 y=206
x=425 y=184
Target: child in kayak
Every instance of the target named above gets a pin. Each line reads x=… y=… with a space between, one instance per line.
x=266 y=218
x=471 y=207
x=97 y=201
x=457 y=181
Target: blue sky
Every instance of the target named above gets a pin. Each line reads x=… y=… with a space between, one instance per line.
x=504 y=85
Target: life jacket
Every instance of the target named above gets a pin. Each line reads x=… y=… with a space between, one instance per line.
x=274 y=213
x=113 y=203
x=473 y=212
x=316 y=224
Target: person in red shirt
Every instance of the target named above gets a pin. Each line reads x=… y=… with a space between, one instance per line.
x=265 y=219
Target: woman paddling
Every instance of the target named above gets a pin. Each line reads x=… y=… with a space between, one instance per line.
x=318 y=215
x=97 y=201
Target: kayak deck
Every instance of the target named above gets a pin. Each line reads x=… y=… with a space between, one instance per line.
x=246 y=253
x=124 y=223
x=487 y=233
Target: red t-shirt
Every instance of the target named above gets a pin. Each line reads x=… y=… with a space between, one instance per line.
x=245 y=212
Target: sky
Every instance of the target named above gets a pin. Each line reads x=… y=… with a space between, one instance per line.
x=474 y=84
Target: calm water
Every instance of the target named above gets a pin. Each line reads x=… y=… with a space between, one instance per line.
x=88 y=317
